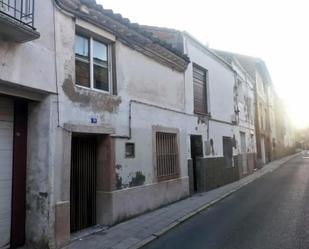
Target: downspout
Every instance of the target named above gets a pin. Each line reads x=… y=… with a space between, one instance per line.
x=129 y=136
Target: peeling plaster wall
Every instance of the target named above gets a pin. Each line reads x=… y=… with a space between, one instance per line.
x=246 y=109
x=138 y=78
x=32 y=64
x=40 y=159
x=78 y=105
x=142 y=124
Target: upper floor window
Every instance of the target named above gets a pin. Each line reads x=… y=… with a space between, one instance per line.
x=200 y=89
x=92 y=63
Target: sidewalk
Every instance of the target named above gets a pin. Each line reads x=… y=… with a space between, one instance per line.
x=141 y=230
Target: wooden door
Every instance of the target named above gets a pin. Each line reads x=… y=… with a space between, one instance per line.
x=83 y=182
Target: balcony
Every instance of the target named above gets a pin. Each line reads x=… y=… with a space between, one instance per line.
x=17 y=21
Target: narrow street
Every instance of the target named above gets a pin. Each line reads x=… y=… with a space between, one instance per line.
x=269 y=213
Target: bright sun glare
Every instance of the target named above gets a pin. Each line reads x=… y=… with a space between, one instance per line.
x=274 y=30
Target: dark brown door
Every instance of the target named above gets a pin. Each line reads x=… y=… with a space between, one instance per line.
x=83 y=182
x=19 y=173
x=228 y=151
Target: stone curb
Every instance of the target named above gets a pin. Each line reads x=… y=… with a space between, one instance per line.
x=169 y=227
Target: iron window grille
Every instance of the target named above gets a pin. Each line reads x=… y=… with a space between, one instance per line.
x=130 y=150
x=21 y=10
x=167 y=156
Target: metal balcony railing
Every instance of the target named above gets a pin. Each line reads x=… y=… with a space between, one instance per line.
x=21 y=10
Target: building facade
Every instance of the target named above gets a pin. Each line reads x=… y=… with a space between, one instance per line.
x=27 y=127
x=220 y=93
x=93 y=120
x=264 y=109
x=102 y=119
x=121 y=96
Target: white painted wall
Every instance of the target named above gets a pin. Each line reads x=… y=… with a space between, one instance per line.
x=219 y=92
x=138 y=78
x=32 y=64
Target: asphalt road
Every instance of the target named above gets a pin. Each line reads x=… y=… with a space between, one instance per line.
x=269 y=213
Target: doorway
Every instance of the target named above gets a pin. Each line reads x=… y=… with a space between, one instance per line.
x=83 y=182
x=196 y=151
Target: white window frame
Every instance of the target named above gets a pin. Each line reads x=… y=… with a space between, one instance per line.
x=91 y=64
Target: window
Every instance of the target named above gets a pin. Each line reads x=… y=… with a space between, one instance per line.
x=92 y=63
x=199 y=90
x=130 y=150
x=167 y=156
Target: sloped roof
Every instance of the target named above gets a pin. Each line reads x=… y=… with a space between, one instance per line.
x=175 y=38
x=249 y=63
x=132 y=34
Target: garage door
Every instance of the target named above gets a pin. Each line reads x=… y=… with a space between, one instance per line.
x=6 y=156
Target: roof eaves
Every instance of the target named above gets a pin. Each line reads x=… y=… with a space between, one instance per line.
x=91 y=4
x=138 y=36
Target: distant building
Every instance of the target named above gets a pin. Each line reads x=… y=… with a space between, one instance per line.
x=264 y=110
x=244 y=95
x=286 y=137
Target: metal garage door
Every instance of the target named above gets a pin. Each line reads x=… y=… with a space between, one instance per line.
x=6 y=156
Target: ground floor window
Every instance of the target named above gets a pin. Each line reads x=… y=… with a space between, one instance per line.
x=167 y=156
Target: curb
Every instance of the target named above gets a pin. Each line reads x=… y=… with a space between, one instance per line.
x=169 y=227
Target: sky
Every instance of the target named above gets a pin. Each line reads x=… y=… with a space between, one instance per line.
x=275 y=30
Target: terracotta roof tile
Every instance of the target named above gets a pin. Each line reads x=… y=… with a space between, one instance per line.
x=122 y=27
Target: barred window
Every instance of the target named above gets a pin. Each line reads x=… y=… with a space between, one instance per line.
x=167 y=156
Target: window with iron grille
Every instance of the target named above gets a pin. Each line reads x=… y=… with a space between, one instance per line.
x=130 y=150
x=167 y=156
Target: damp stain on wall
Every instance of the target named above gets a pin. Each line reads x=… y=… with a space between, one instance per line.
x=138 y=179
x=133 y=179
x=98 y=101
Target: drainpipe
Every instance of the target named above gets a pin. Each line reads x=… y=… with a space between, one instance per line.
x=129 y=136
